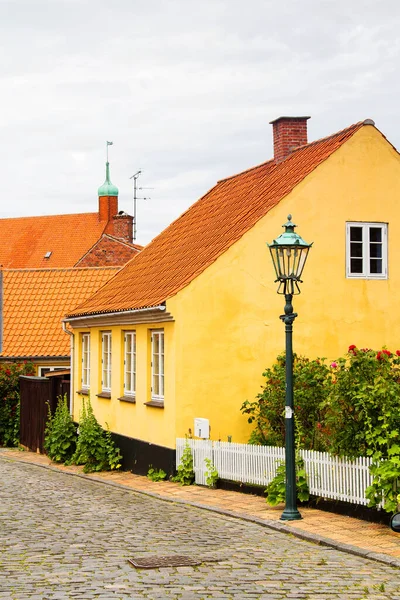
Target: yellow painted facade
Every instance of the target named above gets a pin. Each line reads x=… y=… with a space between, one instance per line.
x=136 y=420
x=226 y=327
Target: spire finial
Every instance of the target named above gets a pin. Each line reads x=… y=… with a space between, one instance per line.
x=108 y=144
x=108 y=189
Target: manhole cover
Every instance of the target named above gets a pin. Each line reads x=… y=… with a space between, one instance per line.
x=155 y=562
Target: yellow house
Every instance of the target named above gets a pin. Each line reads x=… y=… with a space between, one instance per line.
x=186 y=328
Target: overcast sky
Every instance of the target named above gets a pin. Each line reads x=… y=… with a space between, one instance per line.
x=185 y=90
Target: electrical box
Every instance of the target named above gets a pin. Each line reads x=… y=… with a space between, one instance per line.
x=202 y=428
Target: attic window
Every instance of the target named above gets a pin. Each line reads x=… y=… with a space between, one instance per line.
x=48 y=254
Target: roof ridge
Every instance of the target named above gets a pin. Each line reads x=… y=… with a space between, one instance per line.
x=331 y=136
x=129 y=244
x=49 y=216
x=60 y=269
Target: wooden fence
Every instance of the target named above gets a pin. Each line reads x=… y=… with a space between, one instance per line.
x=328 y=476
x=35 y=393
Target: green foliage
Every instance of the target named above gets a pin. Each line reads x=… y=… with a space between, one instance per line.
x=60 y=433
x=95 y=448
x=311 y=387
x=156 y=474
x=350 y=409
x=211 y=474
x=9 y=400
x=276 y=489
x=185 y=473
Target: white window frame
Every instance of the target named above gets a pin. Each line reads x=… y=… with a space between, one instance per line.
x=85 y=379
x=366 y=248
x=130 y=363
x=157 y=365
x=106 y=361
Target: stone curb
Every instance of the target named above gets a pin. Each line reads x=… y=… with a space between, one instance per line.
x=279 y=526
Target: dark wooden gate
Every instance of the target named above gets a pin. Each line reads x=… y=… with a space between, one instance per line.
x=37 y=393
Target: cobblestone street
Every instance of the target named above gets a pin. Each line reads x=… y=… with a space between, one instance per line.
x=67 y=537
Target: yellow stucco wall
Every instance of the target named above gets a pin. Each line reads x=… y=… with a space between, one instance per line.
x=227 y=320
x=227 y=327
x=133 y=420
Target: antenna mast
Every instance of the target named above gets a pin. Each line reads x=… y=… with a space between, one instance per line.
x=135 y=177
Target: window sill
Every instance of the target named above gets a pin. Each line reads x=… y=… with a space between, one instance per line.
x=155 y=403
x=83 y=392
x=130 y=399
x=106 y=395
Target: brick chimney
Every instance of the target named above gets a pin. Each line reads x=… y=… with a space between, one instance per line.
x=123 y=226
x=289 y=133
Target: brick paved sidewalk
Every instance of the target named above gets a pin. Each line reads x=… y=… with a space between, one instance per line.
x=360 y=537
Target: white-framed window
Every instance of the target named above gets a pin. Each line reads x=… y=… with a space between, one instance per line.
x=85 y=361
x=366 y=250
x=130 y=363
x=157 y=365
x=106 y=361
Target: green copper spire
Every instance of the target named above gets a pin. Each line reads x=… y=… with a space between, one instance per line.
x=108 y=188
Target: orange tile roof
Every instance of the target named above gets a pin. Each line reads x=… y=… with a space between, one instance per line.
x=35 y=302
x=24 y=241
x=207 y=229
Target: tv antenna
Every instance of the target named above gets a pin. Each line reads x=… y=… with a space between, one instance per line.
x=135 y=177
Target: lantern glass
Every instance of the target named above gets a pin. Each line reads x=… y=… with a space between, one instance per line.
x=289 y=254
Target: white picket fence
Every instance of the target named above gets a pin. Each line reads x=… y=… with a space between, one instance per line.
x=328 y=476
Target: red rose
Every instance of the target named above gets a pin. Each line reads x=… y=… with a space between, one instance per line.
x=353 y=349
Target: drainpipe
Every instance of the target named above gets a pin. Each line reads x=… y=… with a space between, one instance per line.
x=71 y=387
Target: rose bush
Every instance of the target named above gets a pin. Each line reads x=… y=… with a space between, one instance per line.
x=311 y=383
x=9 y=400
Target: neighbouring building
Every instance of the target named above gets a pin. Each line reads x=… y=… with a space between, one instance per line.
x=186 y=329
x=50 y=264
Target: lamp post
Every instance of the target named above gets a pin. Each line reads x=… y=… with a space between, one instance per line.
x=289 y=254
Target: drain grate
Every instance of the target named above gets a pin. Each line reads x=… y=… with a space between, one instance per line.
x=156 y=562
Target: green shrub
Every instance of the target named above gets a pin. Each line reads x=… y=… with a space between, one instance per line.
x=95 y=448
x=276 y=489
x=9 y=400
x=60 y=434
x=185 y=473
x=311 y=384
x=156 y=474
x=211 y=474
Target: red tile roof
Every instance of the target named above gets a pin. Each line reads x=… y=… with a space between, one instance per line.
x=24 y=241
x=207 y=229
x=35 y=302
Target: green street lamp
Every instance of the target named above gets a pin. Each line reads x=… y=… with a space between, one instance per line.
x=289 y=254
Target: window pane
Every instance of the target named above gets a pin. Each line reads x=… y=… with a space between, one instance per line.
x=356 y=265
x=375 y=234
x=156 y=387
x=375 y=265
x=356 y=250
x=156 y=364
x=375 y=250
x=356 y=234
